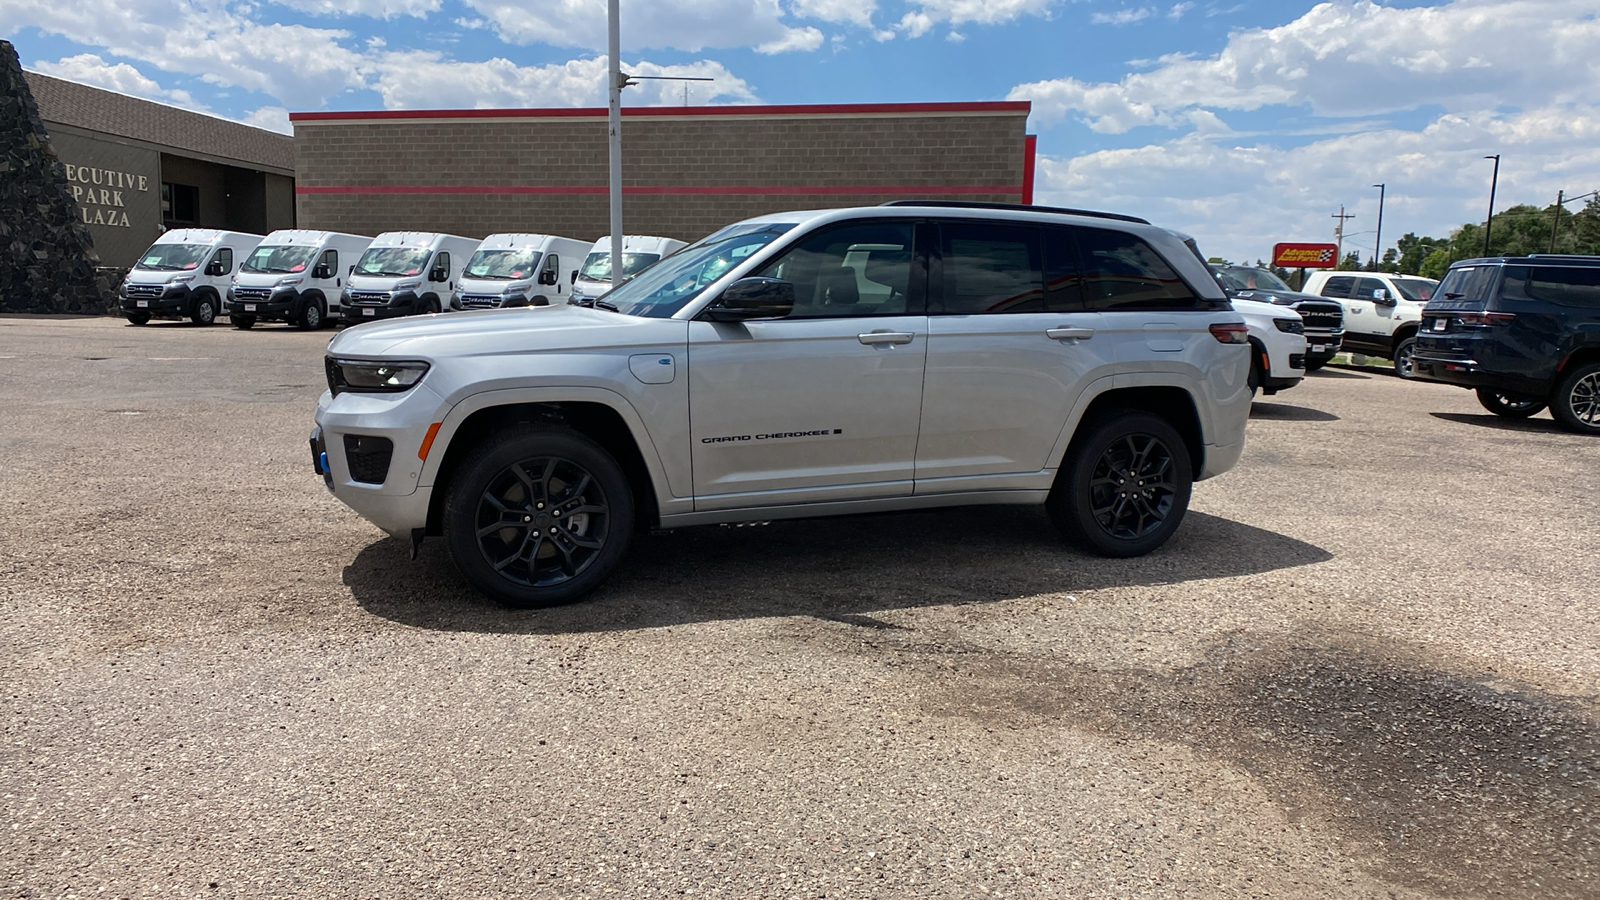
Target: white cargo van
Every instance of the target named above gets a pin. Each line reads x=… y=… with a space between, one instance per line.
x=184 y=275
x=404 y=273
x=293 y=276
x=519 y=270
x=639 y=251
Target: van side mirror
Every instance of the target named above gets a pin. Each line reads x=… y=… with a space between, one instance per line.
x=321 y=271
x=352 y=269
x=753 y=298
x=547 y=277
x=215 y=268
x=574 y=279
x=1382 y=298
x=438 y=274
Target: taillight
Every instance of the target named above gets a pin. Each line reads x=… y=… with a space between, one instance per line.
x=1487 y=318
x=1231 y=332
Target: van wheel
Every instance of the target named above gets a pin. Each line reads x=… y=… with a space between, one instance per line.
x=311 y=316
x=138 y=318
x=1402 y=358
x=1576 y=401
x=1509 y=406
x=538 y=516
x=430 y=304
x=1124 y=487
x=243 y=321
x=205 y=310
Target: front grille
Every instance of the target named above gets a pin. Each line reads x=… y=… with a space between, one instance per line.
x=1321 y=316
x=368 y=457
x=368 y=297
x=145 y=291
x=251 y=293
x=480 y=301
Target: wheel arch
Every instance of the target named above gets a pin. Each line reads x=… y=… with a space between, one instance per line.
x=1582 y=356
x=1173 y=404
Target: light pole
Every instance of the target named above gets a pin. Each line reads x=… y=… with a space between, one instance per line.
x=1377 y=242
x=615 y=82
x=1493 y=182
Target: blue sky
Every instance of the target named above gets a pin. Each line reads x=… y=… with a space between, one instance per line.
x=1243 y=123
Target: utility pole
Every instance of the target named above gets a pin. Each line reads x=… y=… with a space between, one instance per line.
x=1377 y=248
x=1555 y=221
x=1338 y=234
x=1493 y=182
x=616 y=82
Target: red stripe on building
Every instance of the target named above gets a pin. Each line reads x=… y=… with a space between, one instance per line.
x=1030 y=148
x=715 y=190
x=1018 y=106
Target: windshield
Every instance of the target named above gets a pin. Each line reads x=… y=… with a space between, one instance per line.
x=663 y=289
x=598 y=266
x=1244 y=278
x=172 y=257
x=392 y=261
x=502 y=265
x=281 y=259
x=1418 y=289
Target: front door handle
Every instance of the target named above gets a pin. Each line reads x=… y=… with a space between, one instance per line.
x=885 y=337
x=1064 y=333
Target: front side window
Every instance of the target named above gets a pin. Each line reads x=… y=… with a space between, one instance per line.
x=502 y=265
x=991 y=268
x=1367 y=288
x=330 y=260
x=552 y=269
x=224 y=260
x=1122 y=272
x=393 y=262
x=850 y=270
x=662 y=290
x=278 y=259
x=440 y=268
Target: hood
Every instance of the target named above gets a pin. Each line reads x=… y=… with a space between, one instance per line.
x=1280 y=298
x=156 y=276
x=495 y=286
x=379 y=282
x=265 y=279
x=494 y=332
x=1261 y=308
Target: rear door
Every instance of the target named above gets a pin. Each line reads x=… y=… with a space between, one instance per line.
x=1010 y=349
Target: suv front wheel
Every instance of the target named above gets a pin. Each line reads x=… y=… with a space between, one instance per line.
x=1576 y=401
x=538 y=516
x=1124 y=486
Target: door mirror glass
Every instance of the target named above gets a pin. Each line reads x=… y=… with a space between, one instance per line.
x=215 y=268
x=1382 y=298
x=574 y=279
x=753 y=298
x=438 y=274
x=321 y=271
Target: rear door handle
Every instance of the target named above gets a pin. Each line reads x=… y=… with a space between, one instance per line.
x=1064 y=333
x=885 y=337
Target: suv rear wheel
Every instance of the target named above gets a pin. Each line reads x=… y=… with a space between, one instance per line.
x=1124 y=487
x=1402 y=358
x=1576 y=401
x=1510 y=406
x=538 y=516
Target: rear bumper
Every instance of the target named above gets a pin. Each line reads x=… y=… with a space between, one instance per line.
x=1465 y=371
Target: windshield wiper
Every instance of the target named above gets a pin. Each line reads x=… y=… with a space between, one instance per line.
x=606 y=305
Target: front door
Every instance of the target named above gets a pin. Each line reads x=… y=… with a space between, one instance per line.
x=823 y=404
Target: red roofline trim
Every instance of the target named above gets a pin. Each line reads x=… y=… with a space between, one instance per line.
x=713 y=190
x=1004 y=106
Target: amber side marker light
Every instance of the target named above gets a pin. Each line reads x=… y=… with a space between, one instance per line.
x=427 y=442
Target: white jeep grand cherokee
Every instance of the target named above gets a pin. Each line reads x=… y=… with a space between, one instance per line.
x=914 y=355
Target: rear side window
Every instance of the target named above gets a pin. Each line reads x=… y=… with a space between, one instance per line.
x=1122 y=272
x=1561 y=285
x=1466 y=287
x=1339 y=286
x=991 y=268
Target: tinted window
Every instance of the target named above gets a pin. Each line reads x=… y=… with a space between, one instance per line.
x=1339 y=286
x=854 y=270
x=990 y=268
x=440 y=263
x=1120 y=271
x=1366 y=286
x=224 y=258
x=1564 y=286
x=1465 y=287
x=552 y=269
x=330 y=259
x=1415 y=289
x=1063 y=283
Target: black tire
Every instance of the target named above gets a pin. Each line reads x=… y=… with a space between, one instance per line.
x=1256 y=376
x=525 y=478
x=138 y=318
x=1402 y=358
x=1509 y=406
x=205 y=310
x=311 y=318
x=243 y=321
x=1092 y=499
x=430 y=304
x=1576 y=400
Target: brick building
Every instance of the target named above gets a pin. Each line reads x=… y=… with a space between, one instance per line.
x=686 y=170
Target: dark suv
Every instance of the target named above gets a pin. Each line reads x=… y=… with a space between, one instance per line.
x=1524 y=331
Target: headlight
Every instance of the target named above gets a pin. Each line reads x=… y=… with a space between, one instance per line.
x=1292 y=326
x=514 y=292
x=180 y=279
x=289 y=282
x=407 y=286
x=367 y=377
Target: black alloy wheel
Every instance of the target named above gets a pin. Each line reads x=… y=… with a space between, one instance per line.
x=311 y=316
x=1402 y=358
x=1509 y=406
x=538 y=516
x=138 y=318
x=1576 y=401
x=1125 y=486
x=205 y=310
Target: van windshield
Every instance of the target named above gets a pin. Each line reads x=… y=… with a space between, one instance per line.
x=503 y=265
x=662 y=290
x=173 y=257
x=392 y=261
x=598 y=266
x=279 y=259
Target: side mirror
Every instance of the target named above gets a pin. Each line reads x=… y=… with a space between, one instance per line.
x=215 y=268
x=352 y=269
x=753 y=298
x=321 y=271
x=438 y=275
x=1382 y=298
x=547 y=277
x=574 y=277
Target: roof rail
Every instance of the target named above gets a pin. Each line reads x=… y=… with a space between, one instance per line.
x=1017 y=207
x=1576 y=256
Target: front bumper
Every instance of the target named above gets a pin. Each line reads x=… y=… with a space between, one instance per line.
x=285 y=304
x=395 y=505
x=173 y=303
x=405 y=303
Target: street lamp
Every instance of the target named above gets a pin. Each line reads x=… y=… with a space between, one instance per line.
x=1489 y=223
x=1377 y=242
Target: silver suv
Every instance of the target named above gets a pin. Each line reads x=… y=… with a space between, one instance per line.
x=907 y=356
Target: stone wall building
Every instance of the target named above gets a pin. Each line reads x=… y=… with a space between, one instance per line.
x=686 y=170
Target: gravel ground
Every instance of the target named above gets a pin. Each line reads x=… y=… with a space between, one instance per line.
x=1365 y=667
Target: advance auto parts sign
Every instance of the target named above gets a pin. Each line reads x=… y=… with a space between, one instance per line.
x=1305 y=256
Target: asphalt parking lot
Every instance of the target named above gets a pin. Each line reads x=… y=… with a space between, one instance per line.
x=1365 y=667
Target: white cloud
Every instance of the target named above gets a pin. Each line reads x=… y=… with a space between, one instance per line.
x=88 y=68
x=377 y=9
x=920 y=21
x=855 y=12
x=797 y=39
x=1123 y=16
x=1350 y=59
x=1178 y=10
x=272 y=118
x=689 y=25
x=426 y=80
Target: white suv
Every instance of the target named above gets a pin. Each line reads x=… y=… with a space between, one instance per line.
x=914 y=355
x=1381 y=311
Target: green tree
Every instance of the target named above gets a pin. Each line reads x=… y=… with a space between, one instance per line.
x=1350 y=263
x=1413 y=249
x=1434 y=266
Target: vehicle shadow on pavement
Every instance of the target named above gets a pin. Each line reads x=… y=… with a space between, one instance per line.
x=828 y=568
x=1338 y=373
x=1547 y=426
x=1285 y=413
